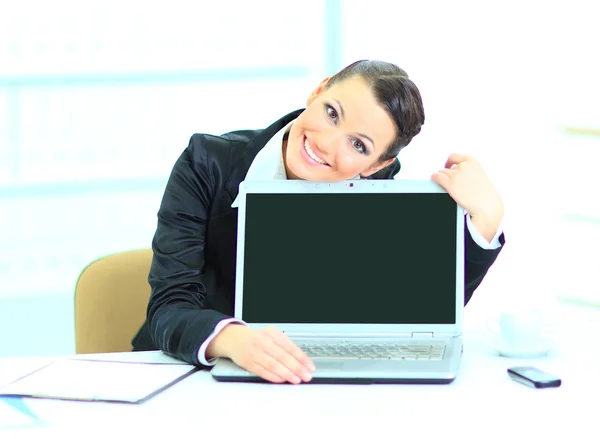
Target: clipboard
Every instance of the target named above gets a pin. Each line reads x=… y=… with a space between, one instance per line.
x=98 y=380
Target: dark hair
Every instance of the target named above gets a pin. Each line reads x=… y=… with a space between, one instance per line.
x=397 y=94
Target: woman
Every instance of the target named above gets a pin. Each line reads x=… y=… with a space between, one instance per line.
x=354 y=126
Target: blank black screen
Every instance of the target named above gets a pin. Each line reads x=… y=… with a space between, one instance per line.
x=350 y=258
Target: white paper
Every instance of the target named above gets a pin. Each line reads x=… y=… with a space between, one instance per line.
x=93 y=380
x=155 y=357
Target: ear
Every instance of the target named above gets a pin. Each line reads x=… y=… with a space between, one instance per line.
x=317 y=91
x=376 y=167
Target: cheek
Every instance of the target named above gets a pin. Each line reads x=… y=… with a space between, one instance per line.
x=302 y=124
x=351 y=163
x=313 y=119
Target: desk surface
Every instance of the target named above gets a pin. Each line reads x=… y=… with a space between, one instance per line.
x=483 y=400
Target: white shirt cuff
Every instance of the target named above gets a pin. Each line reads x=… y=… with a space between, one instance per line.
x=202 y=351
x=480 y=240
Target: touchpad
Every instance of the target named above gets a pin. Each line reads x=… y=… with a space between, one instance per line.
x=326 y=366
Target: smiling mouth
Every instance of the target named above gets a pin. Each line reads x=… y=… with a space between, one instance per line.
x=312 y=154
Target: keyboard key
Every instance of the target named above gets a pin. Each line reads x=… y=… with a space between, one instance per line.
x=389 y=351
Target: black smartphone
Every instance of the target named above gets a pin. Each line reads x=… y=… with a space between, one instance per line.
x=532 y=377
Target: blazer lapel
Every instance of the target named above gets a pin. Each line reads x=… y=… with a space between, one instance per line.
x=241 y=163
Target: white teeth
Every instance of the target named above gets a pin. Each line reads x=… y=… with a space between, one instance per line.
x=312 y=154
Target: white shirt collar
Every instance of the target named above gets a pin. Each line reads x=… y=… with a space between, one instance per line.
x=268 y=164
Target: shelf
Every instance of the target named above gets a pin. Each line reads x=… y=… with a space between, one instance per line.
x=574 y=217
x=585 y=131
x=145 y=77
x=81 y=187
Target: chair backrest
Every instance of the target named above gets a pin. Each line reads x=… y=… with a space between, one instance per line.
x=111 y=298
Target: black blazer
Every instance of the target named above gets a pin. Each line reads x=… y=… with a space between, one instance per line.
x=193 y=268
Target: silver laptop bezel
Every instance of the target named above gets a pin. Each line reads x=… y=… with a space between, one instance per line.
x=354 y=186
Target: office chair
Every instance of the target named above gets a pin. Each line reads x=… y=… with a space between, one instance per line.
x=111 y=297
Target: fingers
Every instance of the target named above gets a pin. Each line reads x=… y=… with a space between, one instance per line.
x=456 y=159
x=291 y=348
x=266 y=374
x=275 y=367
x=290 y=356
x=444 y=178
x=275 y=358
x=450 y=173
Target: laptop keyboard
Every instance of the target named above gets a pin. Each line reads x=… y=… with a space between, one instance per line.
x=373 y=351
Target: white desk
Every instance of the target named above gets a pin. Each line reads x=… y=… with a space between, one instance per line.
x=482 y=402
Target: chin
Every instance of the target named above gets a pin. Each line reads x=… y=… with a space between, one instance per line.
x=311 y=175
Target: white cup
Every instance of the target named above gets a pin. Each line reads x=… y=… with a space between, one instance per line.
x=520 y=330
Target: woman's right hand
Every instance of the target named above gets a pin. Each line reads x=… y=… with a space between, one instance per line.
x=268 y=353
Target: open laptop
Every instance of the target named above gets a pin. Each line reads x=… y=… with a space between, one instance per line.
x=366 y=276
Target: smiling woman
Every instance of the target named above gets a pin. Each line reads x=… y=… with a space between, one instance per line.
x=329 y=140
x=354 y=125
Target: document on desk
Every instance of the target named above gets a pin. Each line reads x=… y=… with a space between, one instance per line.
x=98 y=380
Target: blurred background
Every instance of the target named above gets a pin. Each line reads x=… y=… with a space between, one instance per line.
x=99 y=98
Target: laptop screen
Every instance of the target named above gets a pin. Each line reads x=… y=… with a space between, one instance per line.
x=385 y=258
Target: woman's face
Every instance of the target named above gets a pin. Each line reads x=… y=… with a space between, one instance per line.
x=341 y=134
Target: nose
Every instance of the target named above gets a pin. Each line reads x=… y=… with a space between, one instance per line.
x=328 y=142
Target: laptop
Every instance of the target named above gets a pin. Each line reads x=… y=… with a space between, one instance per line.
x=367 y=277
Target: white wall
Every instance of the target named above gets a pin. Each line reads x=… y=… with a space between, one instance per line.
x=108 y=94
x=98 y=99
x=500 y=81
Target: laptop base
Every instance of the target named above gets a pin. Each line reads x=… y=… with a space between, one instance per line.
x=425 y=372
x=257 y=379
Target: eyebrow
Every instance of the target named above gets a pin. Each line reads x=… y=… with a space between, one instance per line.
x=360 y=134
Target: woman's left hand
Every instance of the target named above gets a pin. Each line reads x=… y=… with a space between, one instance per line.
x=466 y=182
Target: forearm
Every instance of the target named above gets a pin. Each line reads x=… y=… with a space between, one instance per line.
x=181 y=280
x=477 y=262
x=487 y=226
x=223 y=344
x=487 y=220
x=180 y=328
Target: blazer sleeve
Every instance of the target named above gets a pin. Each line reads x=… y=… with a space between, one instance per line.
x=178 y=321
x=477 y=262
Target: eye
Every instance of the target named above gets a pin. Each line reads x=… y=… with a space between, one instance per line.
x=357 y=145
x=331 y=113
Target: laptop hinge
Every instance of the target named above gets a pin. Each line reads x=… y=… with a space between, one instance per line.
x=346 y=335
x=422 y=335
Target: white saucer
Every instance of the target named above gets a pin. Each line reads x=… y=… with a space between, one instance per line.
x=541 y=349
